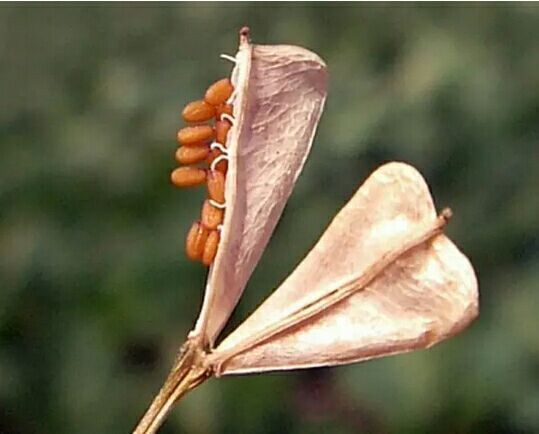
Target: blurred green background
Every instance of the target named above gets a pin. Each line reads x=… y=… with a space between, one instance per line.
x=95 y=292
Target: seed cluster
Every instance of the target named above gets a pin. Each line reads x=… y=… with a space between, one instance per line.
x=202 y=143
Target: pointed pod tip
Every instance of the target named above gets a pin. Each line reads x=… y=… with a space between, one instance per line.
x=245 y=35
x=446 y=214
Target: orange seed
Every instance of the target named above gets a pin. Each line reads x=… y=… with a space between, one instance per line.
x=192 y=154
x=196 y=240
x=223 y=108
x=192 y=136
x=211 y=215
x=210 y=248
x=198 y=111
x=188 y=176
x=216 y=186
x=221 y=166
x=219 y=92
x=221 y=131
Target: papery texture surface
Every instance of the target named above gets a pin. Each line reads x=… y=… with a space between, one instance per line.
x=428 y=294
x=280 y=96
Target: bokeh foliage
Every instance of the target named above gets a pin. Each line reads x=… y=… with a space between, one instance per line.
x=95 y=292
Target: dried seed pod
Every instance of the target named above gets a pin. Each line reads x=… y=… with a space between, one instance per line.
x=219 y=92
x=193 y=136
x=396 y=284
x=192 y=154
x=221 y=131
x=210 y=248
x=188 y=176
x=221 y=166
x=198 y=111
x=196 y=240
x=223 y=109
x=216 y=186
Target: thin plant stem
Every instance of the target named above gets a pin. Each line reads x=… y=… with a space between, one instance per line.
x=188 y=371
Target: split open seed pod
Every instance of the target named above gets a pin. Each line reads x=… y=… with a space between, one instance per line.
x=382 y=279
x=279 y=94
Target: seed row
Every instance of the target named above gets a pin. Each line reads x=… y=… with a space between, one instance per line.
x=204 y=143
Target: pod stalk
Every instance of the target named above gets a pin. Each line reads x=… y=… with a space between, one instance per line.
x=189 y=371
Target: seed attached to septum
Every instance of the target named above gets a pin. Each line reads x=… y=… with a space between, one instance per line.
x=192 y=154
x=221 y=130
x=223 y=109
x=221 y=166
x=210 y=248
x=188 y=176
x=219 y=92
x=212 y=216
x=196 y=240
x=193 y=136
x=216 y=186
x=198 y=111
x=194 y=149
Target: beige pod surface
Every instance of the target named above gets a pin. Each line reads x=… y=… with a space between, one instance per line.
x=279 y=95
x=428 y=294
